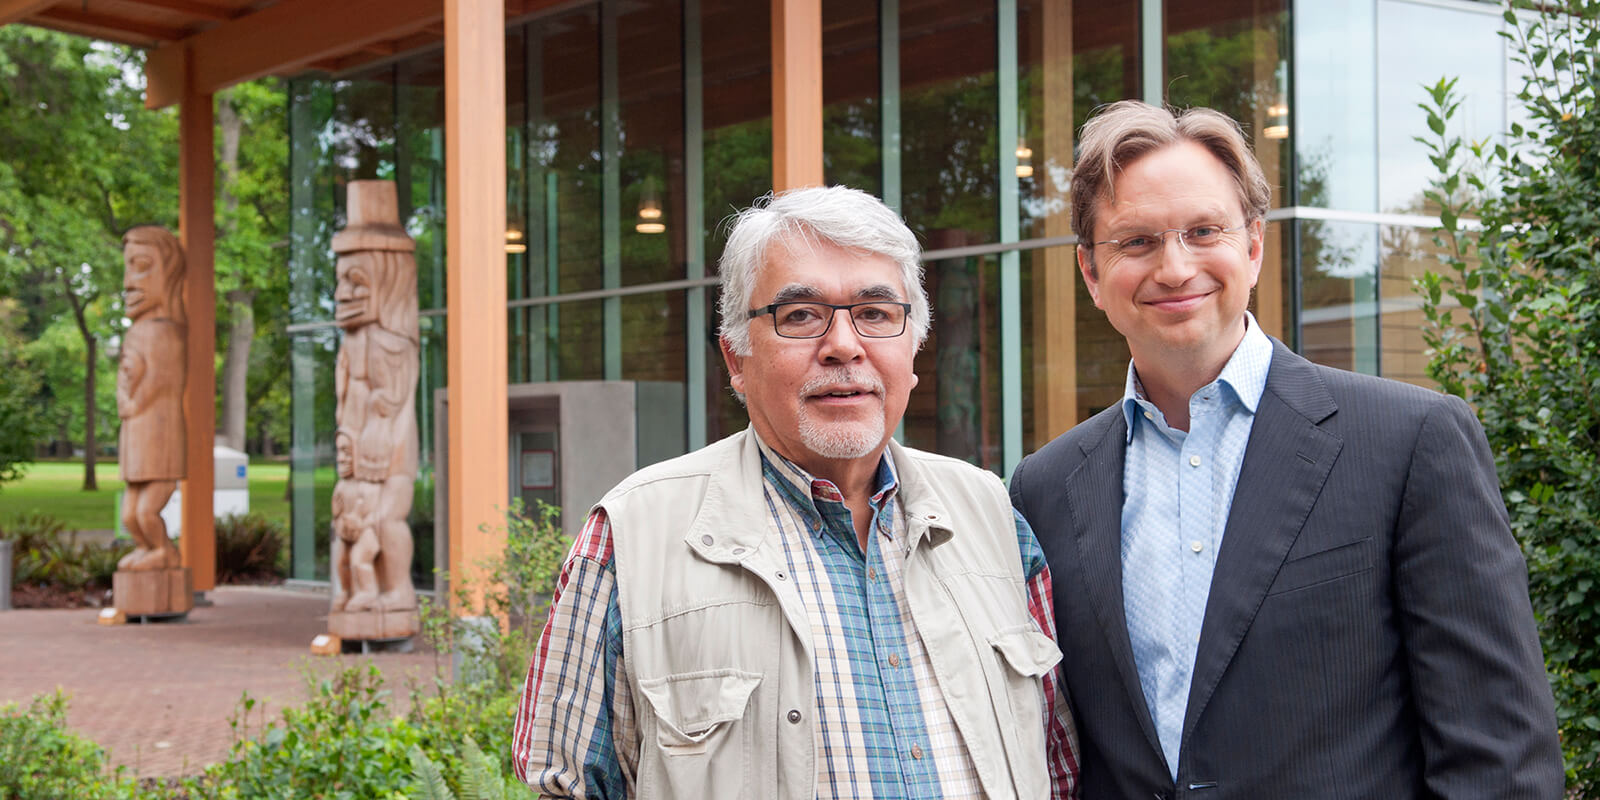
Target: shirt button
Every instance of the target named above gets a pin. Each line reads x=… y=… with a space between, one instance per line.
x=1148 y=415
x=894 y=659
x=872 y=574
x=1196 y=546
x=794 y=716
x=1194 y=461
x=916 y=752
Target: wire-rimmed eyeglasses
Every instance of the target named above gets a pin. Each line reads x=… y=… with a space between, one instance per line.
x=875 y=319
x=1195 y=240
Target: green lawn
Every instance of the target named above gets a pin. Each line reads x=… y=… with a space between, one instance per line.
x=56 y=488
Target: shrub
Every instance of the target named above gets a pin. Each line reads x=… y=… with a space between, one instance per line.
x=43 y=557
x=249 y=547
x=342 y=743
x=1514 y=328
x=40 y=759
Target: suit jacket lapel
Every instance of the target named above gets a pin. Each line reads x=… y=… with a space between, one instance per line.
x=1094 y=497
x=1286 y=462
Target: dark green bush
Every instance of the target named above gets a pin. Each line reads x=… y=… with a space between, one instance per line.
x=40 y=759
x=43 y=555
x=249 y=549
x=1514 y=326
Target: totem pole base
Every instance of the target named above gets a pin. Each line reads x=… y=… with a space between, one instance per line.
x=153 y=593
x=375 y=624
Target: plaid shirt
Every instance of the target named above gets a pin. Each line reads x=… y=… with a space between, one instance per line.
x=883 y=729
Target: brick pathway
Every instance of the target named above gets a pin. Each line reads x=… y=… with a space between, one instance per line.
x=158 y=697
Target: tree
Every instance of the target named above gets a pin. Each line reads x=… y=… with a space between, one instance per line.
x=85 y=161
x=19 y=417
x=1514 y=328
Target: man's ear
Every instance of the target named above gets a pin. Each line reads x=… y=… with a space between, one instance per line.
x=735 y=365
x=1258 y=249
x=1091 y=275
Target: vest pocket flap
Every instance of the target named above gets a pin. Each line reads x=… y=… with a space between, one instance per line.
x=692 y=706
x=1026 y=650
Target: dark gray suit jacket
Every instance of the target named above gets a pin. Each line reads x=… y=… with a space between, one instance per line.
x=1368 y=633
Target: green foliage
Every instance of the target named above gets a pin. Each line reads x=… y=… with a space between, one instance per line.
x=340 y=744
x=480 y=778
x=1514 y=327
x=43 y=555
x=249 y=548
x=19 y=411
x=40 y=759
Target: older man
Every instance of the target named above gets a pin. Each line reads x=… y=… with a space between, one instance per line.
x=806 y=609
x=1278 y=580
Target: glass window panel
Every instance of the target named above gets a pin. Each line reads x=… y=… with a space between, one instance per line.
x=564 y=113
x=949 y=103
x=1335 y=81
x=851 y=112
x=955 y=407
x=1072 y=58
x=1463 y=43
x=1338 y=289
x=1233 y=56
x=650 y=108
x=1408 y=253
x=579 y=343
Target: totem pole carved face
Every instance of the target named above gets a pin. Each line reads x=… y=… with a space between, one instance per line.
x=354 y=301
x=344 y=454
x=143 y=285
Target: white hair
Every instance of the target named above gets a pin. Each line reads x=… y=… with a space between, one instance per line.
x=849 y=219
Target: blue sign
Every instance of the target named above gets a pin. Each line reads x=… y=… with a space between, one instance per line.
x=239 y=471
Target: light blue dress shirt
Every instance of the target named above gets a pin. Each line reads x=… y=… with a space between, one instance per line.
x=1178 y=489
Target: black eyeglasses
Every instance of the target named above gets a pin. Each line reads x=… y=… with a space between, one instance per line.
x=876 y=319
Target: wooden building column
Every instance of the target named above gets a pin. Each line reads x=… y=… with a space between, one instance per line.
x=197 y=229
x=796 y=93
x=475 y=206
x=1055 y=273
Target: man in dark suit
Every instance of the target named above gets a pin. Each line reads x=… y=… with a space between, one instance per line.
x=1273 y=579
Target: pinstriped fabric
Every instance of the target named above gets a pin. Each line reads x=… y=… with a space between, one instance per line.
x=1178 y=491
x=883 y=730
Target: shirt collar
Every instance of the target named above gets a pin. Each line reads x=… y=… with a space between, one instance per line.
x=803 y=491
x=1245 y=375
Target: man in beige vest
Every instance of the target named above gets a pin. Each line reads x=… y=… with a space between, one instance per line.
x=806 y=609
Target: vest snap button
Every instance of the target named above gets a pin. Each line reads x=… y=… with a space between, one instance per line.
x=707 y=540
x=738 y=551
x=794 y=716
x=782 y=576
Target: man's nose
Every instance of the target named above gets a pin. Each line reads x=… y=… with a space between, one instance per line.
x=1174 y=262
x=841 y=342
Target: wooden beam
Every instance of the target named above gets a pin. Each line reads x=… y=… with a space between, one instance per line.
x=18 y=10
x=475 y=202
x=197 y=228
x=281 y=38
x=90 y=19
x=1055 y=270
x=202 y=10
x=796 y=93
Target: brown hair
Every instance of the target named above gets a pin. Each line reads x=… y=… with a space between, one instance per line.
x=1124 y=131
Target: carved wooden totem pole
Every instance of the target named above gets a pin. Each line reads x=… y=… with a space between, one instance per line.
x=375 y=384
x=151 y=580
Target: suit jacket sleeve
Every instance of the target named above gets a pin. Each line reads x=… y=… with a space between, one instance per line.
x=1485 y=712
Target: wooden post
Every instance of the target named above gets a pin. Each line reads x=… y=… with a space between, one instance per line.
x=197 y=226
x=1055 y=271
x=796 y=94
x=475 y=197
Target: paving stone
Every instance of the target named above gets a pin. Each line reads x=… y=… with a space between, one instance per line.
x=158 y=697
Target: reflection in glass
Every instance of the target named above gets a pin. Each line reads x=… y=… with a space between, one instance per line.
x=1334 y=81
x=1339 y=294
x=955 y=408
x=1408 y=253
x=851 y=114
x=1462 y=43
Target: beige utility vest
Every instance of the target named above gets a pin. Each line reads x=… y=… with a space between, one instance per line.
x=718 y=644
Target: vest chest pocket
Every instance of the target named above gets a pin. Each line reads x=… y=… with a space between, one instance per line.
x=701 y=746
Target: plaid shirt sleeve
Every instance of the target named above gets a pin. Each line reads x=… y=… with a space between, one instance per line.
x=575 y=734
x=1061 y=737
